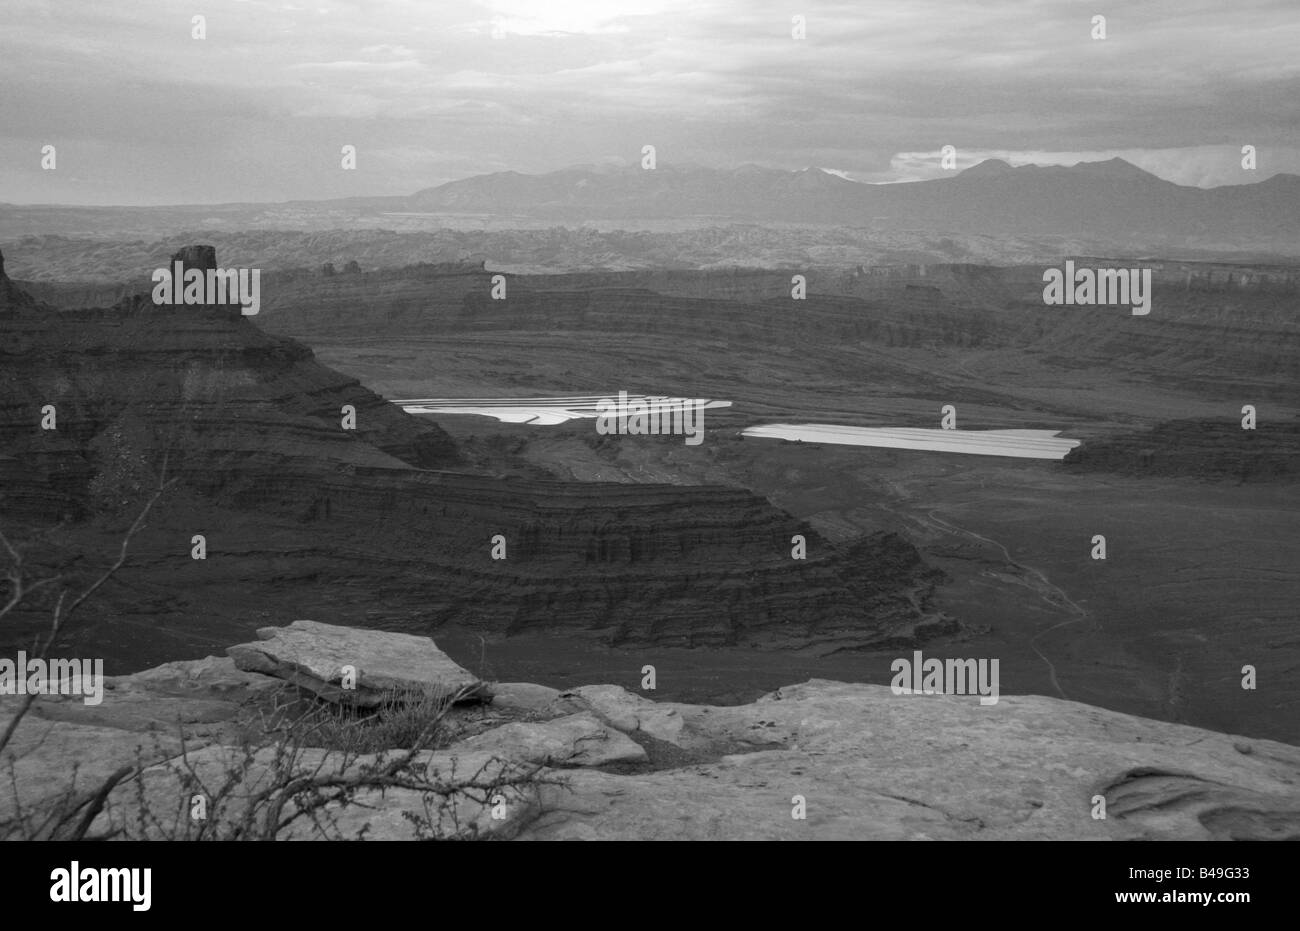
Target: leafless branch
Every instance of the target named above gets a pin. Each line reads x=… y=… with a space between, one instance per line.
x=61 y=615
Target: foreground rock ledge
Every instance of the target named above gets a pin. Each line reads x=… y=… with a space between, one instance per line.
x=869 y=764
x=313 y=656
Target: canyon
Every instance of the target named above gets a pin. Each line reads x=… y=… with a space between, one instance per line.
x=391 y=520
x=393 y=524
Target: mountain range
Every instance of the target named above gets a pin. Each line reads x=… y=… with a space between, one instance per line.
x=1112 y=198
x=1113 y=202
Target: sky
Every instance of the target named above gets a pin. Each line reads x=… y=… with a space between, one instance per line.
x=139 y=111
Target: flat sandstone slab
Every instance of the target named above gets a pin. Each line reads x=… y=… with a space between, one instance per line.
x=571 y=740
x=872 y=765
x=312 y=655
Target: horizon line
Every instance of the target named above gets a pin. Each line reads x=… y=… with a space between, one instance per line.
x=629 y=167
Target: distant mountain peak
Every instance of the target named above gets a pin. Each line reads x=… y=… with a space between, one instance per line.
x=1113 y=168
x=990 y=166
x=813 y=177
x=992 y=197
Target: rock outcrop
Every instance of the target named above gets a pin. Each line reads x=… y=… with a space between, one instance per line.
x=581 y=739
x=384 y=667
x=601 y=763
x=873 y=765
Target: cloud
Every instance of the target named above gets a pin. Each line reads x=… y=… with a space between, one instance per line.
x=276 y=87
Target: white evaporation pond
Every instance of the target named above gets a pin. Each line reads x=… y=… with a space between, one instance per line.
x=1021 y=444
x=540 y=411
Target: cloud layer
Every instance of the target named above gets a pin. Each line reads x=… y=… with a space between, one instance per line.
x=141 y=112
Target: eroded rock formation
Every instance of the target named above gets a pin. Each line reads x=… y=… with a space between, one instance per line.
x=384 y=520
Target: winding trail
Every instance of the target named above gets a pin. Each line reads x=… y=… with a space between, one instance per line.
x=1053 y=594
x=1033 y=578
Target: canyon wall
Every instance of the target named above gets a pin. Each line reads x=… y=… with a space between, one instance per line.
x=387 y=519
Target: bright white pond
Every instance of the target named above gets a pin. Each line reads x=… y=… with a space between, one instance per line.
x=1022 y=444
x=540 y=411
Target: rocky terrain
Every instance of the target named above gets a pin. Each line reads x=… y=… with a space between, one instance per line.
x=1201 y=449
x=606 y=763
x=388 y=520
x=95 y=258
x=1201 y=575
x=1214 y=329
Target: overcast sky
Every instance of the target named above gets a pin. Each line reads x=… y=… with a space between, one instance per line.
x=142 y=113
